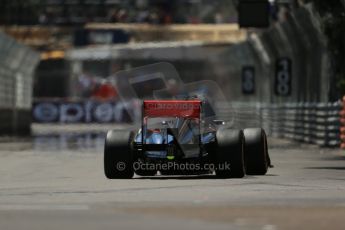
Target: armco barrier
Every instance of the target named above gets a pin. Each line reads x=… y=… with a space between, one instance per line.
x=342 y=124
x=315 y=123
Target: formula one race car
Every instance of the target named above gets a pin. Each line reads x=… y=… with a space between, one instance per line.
x=174 y=132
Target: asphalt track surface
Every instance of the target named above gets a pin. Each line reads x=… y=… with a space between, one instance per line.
x=56 y=181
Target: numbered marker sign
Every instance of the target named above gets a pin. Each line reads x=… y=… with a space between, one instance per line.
x=248 y=80
x=282 y=81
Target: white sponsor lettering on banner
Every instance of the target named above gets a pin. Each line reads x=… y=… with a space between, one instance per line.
x=81 y=112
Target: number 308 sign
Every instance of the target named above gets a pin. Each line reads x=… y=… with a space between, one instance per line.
x=282 y=81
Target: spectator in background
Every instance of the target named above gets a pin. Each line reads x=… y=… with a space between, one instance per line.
x=142 y=16
x=85 y=85
x=274 y=11
x=194 y=20
x=218 y=18
x=113 y=16
x=166 y=18
x=42 y=19
x=105 y=91
x=122 y=16
x=154 y=18
x=283 y=13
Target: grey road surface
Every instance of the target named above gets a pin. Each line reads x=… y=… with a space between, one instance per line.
x=55 y=180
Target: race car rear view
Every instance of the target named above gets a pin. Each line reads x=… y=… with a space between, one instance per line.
x=176 y=138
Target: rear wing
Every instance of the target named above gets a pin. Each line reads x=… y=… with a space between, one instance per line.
x=172 y=108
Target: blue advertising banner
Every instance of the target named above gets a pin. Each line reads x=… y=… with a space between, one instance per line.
x=81 y=111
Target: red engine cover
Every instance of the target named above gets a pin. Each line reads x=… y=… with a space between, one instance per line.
x=172 y=108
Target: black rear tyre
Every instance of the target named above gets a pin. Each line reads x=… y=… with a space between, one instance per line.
x=230 y=143
x=255 y=151
x=142 y=172
x=118 y=155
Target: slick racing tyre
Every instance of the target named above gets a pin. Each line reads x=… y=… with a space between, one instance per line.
x=171 y=172
x=255 y=151
x=230 y=143
x=118 y=155
x=145 y=172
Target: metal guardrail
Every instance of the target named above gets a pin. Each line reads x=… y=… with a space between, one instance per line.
x=315 y=123
x=342 y=124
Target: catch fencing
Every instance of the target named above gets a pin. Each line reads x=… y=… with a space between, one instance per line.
x=17 y=64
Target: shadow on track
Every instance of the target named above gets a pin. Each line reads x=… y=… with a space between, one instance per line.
x=327 y=168
x=179 y=177
x=193 y=177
